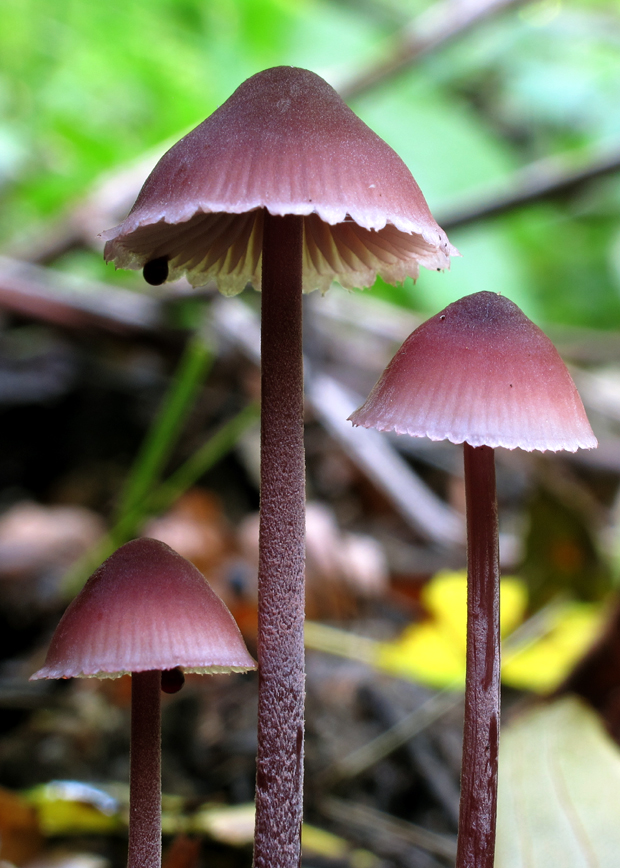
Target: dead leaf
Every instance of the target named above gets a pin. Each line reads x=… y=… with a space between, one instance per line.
x=20 y=835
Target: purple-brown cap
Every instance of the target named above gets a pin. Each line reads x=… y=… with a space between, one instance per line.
x=480 y=372
x=145 y=608
x=286 y=142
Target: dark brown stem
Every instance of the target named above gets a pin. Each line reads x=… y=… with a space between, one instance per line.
x=279 y=773
x=145 y=772
x=478 y=808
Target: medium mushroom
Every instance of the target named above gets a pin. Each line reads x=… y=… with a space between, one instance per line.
x=145 y=611
x=482 y=374
x=283 y=186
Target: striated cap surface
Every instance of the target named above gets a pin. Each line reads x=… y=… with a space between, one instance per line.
x=480 y=372
x=286 y=142
x=144 y=608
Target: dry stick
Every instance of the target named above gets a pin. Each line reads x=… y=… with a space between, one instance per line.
x=546 y=179
x=145 y=771
x=332 y=403
x=72 y=302
x=386 y=829
x=478 y=806
x=279 y=774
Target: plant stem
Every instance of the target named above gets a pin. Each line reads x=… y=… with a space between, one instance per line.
x=160 y=498
x=478 y=807
x=279 y=772
x=163 y=434
x=206 y=456
x=145 y=771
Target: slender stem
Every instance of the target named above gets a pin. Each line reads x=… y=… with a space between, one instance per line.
x=145 y=771
x=279 y=773
x=478 y=808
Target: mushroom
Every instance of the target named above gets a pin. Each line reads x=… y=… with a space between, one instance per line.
x=482 y=374
x=283 y=186
x=145 y=611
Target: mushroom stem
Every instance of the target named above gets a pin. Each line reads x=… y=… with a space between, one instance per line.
x=478 y=807
x=279 y=773
x=145 y=771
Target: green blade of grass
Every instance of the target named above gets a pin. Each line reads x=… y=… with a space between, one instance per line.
x=163 y=434
x=203 y=459
x=162 y=497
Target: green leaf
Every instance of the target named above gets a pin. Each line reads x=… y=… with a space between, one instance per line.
x=559 y=780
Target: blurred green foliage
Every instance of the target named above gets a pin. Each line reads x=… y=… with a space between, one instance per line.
x=88 y=87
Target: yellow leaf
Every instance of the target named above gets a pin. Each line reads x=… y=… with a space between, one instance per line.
x=74 y=808
x=434 y=651
x=541 y=665
x=425 y=652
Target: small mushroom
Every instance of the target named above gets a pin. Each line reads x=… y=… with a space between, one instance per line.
x=145 y=611
x=283 y=144
x=284 y=187
x=482 y=374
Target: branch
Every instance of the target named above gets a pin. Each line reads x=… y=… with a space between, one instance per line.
x=440 y=23
x=71 y=302
x=372 y=452
x=550 y=178
x=384 y=829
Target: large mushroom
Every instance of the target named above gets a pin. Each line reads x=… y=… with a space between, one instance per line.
x=282 y=187
x=482 y=374
x=145 y=611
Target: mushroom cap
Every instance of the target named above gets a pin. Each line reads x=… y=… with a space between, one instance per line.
x=286 y=142
x=480 y=372
x=145 y=608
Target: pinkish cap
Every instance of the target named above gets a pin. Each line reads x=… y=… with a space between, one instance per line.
x=480 y=372
x=145 y=608
x=284 y=141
